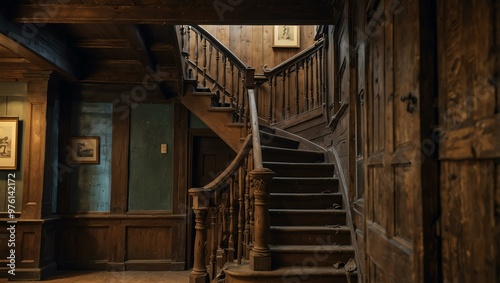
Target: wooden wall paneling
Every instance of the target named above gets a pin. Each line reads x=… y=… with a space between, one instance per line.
x=181 y=201
x=497 y=214
x=120 y=161
x=468 y=221
x=467 y=98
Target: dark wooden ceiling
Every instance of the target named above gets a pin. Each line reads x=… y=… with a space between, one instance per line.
x=124 y=41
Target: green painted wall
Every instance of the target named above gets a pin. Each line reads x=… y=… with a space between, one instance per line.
x=195 y=122
x=90 y=184
x=150 y=171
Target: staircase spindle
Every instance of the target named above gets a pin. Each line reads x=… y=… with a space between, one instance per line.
x=289 y=90
x=241 y=212
x=321 y=78
x=213 y=245
x=196 y=55
x=230 y=245
x=243 y=99
x=297 y=66
x=311 y=82
x=200 y=207
x=306 y=87
x=283 y=95
x=233 y=98
x=270 y=112
x=316 y=78
x=204 y=45
x=224 y=66
x=275 y=97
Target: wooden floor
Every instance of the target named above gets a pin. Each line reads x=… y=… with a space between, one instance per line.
x=117 y=277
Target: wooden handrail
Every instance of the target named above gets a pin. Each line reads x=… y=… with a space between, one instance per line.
x=290 y=62
x=220 y=47
x=235 y=164
x=254 y=120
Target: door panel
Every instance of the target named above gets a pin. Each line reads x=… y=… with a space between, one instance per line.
x=394 y=190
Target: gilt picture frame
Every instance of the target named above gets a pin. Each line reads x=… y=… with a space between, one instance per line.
x=286 y=36
x=8 y=142
x=84 y=149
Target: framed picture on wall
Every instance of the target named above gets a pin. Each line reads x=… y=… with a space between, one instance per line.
x=84 y=149
x=8 y=143
x=286 y=36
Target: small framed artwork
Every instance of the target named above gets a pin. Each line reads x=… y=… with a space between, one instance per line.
x=8 y=143
x=84 y=149
x=286 y=36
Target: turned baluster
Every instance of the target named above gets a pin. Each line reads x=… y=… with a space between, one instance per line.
x=199 y=274
x=204 y=45
x=275 y=97
x=224 y=65
x=283 y=95
x=270 y=112
x=317 y=77
x=321 y=76
x=213 y=245
x=289 y=90
x=306 y=87
x=297 y=66
x=196 y=55
x=311 y=82
x=230 y=245
x=241 y=212
x=188 y=49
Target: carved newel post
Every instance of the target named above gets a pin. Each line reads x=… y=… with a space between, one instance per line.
x=260 y=255
x=199 y=274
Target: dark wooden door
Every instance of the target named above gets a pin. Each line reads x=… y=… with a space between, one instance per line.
x=398 y=173
x=211 y=156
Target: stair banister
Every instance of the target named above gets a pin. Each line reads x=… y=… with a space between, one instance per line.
x=310 y=85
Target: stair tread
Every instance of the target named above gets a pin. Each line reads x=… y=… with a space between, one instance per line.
x=324 y=228
x=220 y=109
x=202 y=93
x=298 y=164
x=288 y=178
x=305 y=210
x=305 y=194
x=244 y=270
x=291 y=150
x=310 y=248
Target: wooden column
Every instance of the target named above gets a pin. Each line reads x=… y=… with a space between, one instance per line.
x=260 y=255
x=36 y=228
x=199 y=274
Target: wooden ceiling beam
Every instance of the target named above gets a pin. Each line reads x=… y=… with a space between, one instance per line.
x=39 y=47
x=218 y=13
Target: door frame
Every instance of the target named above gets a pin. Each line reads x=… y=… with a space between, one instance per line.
x=192 y=134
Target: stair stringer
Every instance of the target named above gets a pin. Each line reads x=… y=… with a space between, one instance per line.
x=221 y=122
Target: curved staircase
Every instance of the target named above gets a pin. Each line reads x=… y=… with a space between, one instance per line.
x=308 y=224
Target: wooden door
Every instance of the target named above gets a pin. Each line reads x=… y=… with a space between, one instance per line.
x=398 y=173
x=211 y=156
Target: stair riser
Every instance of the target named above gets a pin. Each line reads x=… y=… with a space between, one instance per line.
x=306 y=219
x=292 y=157
x=309 y=238
x=291 y=278
x=276 y=141
x=325 y=201
x=301 y=171
x=310 y=259
x=304 y=186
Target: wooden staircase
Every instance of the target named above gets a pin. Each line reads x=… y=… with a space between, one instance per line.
x=308 y=224
x=275 y=214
